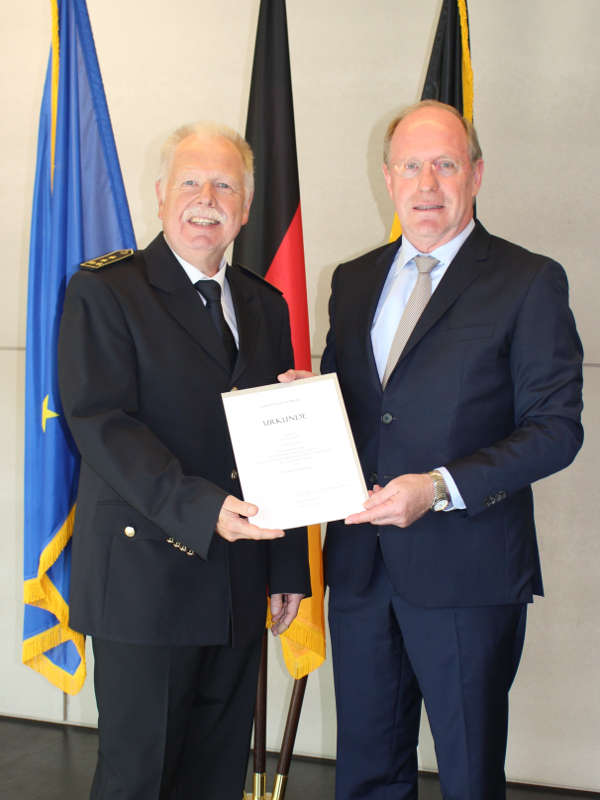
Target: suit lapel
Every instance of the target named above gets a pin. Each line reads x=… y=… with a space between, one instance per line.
x=244 y=302
x=367 y=305
x=180 y=299
x=464 y=269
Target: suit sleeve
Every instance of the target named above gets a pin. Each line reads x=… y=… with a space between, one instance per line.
x=546 y=370
x=99 y=392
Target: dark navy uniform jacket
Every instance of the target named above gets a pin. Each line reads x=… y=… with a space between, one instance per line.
x=141 y=372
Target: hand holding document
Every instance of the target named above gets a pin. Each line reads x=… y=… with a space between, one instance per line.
x=233 y=523
x=295 y=453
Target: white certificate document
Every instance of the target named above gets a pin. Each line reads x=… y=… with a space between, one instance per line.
x=294 y=452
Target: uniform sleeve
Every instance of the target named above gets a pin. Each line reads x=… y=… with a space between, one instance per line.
x=288 y=563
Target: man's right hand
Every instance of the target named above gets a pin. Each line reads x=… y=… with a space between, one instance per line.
x=233 y=523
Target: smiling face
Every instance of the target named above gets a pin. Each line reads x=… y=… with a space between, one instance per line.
x=202 y=201
x=432 y=207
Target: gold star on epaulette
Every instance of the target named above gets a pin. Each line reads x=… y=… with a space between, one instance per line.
x=105 y=260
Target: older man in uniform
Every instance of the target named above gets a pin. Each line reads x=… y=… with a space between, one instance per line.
x=169 y=574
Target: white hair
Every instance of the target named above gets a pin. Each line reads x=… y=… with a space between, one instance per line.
x=207 y=129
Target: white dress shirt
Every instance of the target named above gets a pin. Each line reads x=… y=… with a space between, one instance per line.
x=195 y=274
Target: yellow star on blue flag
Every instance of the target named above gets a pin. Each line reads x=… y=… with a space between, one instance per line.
x=47 y=413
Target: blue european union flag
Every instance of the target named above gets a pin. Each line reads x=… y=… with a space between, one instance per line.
x=80 y=211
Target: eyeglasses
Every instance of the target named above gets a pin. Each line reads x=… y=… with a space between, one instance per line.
x=411 y=167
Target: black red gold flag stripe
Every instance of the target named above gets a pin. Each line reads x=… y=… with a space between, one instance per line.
x=271 y=245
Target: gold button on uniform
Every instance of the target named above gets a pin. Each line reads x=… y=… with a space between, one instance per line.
x=129 y=531
x=234 y=475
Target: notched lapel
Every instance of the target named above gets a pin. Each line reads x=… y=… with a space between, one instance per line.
x=180 y=299
x=466 y=267
x=188 y=309
x=365 y=310
x=245 y=305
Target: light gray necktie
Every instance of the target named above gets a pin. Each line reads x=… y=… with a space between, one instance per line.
x=417 y=301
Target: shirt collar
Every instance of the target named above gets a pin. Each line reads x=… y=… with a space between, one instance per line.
x=444 y=254
x=195 y=274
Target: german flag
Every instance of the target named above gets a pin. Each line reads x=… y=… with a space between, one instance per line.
x=271 y=245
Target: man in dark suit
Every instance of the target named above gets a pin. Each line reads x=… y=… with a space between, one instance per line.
x=456 y=409
x=169 y=576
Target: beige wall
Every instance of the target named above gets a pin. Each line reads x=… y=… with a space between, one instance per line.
x=537 y=71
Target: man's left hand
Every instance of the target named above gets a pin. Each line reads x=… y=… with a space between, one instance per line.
x=400 y=502
x=284 y=608
x=294 y=375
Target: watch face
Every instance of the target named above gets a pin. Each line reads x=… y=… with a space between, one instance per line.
x=440 y=504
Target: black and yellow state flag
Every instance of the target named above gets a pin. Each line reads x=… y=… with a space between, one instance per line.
x=449 y=76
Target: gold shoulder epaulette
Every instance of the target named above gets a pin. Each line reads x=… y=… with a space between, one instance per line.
x=105 y=260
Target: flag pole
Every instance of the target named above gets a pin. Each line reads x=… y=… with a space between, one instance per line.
x=260 y=728
x=289 y=737
x=260 y=735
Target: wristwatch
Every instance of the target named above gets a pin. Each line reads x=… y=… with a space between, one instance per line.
x=441 y=497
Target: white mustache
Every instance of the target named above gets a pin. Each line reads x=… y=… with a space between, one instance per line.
x=204 y=213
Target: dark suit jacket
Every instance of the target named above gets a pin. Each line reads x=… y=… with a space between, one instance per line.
x=141 y=372
x=488 y=385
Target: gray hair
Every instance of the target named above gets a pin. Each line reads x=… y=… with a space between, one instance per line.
x=472 y=139
x=207 y=129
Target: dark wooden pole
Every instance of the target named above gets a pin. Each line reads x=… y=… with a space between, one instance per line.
x=260 y=727
x=260 y=734
x=289 y=737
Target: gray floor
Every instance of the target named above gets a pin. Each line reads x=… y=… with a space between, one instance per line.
x=41 y=761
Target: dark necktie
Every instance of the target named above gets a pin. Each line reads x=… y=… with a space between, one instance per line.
x=211 y=292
